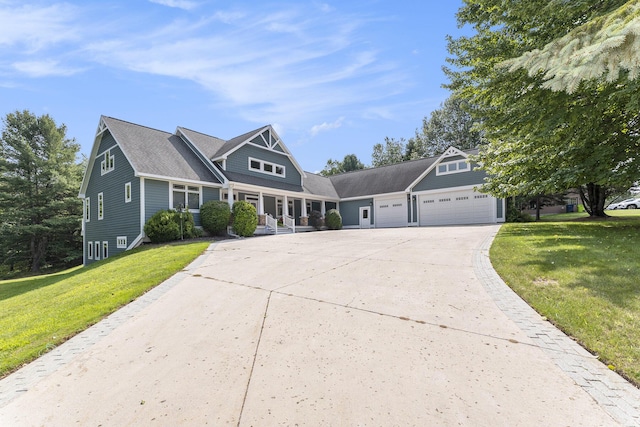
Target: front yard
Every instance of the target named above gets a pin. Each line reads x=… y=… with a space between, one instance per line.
x=582 y=275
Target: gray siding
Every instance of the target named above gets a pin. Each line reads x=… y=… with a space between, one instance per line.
x=350 y=211
x=120 y=218
x=434 y=182
x=238 y=162
x=210 y=193
x=156 y=197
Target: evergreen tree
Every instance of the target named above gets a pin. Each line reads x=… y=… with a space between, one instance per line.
x=39 y=180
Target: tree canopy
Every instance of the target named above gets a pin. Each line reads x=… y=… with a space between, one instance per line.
x=540 y=141
x=39 y=182
x=348 y=164
x=451 y=125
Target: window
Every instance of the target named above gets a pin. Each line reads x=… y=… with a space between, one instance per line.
x=455 y=166
x=121 y=242
x=90 y=250
x=100 y=206
x=105 y=250
x=87 y=209
x=127 y=192
x=266 y=167
x=108 y=162
x=186 y=196
x=96 y=250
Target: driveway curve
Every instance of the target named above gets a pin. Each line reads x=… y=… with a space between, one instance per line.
x=356 y=327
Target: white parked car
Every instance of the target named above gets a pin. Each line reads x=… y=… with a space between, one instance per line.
x=629 y=204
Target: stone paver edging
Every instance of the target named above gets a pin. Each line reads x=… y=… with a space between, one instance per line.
x=26 y=377
x=613 y=393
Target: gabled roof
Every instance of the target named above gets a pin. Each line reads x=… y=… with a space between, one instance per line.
x=236 y=142
x=320 y=186
x=396 y=178
x=385 y=179
x=208 y=145
x=152 y=152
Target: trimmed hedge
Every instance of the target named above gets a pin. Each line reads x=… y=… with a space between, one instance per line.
x=215 y=216
x=164 y=226
x=245 y=219
x=315 y=220
x=333 y=220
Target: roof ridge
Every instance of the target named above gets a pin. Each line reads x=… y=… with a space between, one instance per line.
x=202 y=133
x=138 y=125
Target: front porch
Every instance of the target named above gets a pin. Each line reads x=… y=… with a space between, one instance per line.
x=278 y=213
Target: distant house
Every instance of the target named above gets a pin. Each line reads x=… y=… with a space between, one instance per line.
x=134 y=171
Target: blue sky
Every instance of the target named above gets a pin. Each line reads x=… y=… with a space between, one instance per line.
x=333 y=78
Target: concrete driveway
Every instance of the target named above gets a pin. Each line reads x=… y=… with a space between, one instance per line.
x=357 y=327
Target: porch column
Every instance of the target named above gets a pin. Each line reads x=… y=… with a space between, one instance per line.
x=323 y=208
x=260 y=204
x=304 y=207
x=285 y=206
x=230 y=196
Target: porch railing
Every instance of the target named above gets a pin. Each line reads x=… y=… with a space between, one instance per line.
x=289 y=222
x=272 y=223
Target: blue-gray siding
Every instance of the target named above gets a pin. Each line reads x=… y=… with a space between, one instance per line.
x=350 y=211
x=156 y=195
x=238 y=162
x=210 y=193
x=499 y=208
x=434 y=182
x=120 y=218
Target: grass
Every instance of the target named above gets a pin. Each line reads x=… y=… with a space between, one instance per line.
x=582 y=275
x=39 y=313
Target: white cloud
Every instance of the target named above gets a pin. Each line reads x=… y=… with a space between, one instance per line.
x=326 y=126
x=44 y=68
x=33 y=28
x=179 y=4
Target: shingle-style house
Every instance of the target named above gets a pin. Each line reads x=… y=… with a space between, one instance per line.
x=134 y=171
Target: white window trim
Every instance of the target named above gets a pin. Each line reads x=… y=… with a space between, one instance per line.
x=105 y=249
x=108 y=162
x=262 y=170
x=121 y=242
x=457 y=170
x=100 y=206
x=87 y=209
x=90 y=250
x=186 y=190
x=96 y=250
x=127 y=192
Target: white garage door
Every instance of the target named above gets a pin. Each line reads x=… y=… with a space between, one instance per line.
x=391 y=212
x=456 y=207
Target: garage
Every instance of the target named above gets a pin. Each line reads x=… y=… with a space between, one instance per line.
x=456 y=207
x=391 y=212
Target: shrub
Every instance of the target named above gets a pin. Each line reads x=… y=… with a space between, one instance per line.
x=162 y=227
x=245 y=219
x=215 y=216
x=167 y=225
x=515 y=215
x=333 y=220
x=315 y=220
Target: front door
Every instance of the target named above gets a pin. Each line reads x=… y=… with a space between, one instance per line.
x=365 y=222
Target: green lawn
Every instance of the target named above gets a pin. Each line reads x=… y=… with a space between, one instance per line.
x=584 y=276
x=39 y=313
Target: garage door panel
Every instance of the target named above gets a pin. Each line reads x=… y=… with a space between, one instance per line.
x=391 y=212
x=456 y=207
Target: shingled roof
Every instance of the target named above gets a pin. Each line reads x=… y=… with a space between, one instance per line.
x=158 y=153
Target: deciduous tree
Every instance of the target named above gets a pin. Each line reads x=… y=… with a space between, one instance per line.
x=348 y=164
x=541 y=141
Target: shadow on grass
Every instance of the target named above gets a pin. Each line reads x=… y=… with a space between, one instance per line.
x=601 y=256
x=15 y=287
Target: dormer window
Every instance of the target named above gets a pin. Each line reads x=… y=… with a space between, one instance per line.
x=108 y=163
x=266 y=167
x=456 y=166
